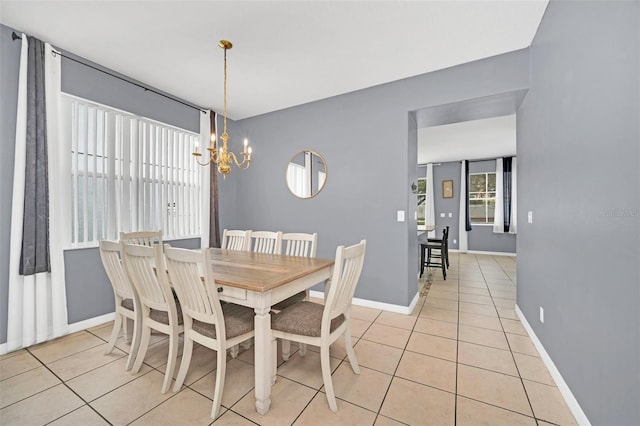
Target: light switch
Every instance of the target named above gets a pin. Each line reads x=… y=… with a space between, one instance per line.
x=530 y=217
x=400 y=215
x=450 y=214
x=441 y=214
x=415 y=215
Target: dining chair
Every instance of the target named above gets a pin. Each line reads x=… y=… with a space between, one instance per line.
x=206 y=321
x=445 y=240
x=296 y=244
x=299 y=244
x=265 y=242
x=437 y=253
x=145 y=267
x=233 y=239
x=127 y=305
x=321 y=325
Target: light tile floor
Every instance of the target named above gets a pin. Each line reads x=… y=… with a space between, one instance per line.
x=461 y=358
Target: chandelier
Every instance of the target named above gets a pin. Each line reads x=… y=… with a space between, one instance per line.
x=221 y=155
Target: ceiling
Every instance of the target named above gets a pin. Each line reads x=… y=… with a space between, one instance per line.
x=285 y=53
x=470 y=140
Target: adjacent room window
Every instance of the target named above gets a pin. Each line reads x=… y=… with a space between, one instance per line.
x=422 y=202
x=129 y=173
x=482 y=197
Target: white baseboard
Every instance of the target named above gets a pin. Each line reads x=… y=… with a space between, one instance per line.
x=491 y=253
x=377 y=305
x=571 y=401
x=72 y=328
x=91 y=322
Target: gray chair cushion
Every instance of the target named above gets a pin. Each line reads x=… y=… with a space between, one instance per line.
x=163 y=316
x=127 y=304
x=303 y=318
x=238 y=320
x=290 y=301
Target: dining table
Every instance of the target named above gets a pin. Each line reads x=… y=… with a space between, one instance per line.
x=259 y=281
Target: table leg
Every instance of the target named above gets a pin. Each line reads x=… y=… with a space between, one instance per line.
x=263 y=362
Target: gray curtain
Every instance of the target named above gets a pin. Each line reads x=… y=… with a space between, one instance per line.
x=214 y=221
x=35 y=227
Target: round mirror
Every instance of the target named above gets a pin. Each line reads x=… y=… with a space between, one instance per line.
x=306 y=174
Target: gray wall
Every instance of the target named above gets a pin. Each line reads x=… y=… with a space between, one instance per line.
x=89 y=293
x=364 y=138
x=88 y=83
x=480 y=238
x=578 y=154
x=9 y=68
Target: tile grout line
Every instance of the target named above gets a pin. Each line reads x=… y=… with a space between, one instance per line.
x=68 y=387
x=515 y=363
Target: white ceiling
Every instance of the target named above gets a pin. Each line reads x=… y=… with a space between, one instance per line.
x=285 y=53
x=468 y=140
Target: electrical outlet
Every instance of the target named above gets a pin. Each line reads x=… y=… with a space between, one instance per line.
x=541 y=314
x=455 y=241
x=530 y=217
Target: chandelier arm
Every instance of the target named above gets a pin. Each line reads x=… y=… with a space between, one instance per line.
x=206 y=163
x=235 y=159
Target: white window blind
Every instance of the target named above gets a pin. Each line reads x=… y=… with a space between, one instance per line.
x=129 y=173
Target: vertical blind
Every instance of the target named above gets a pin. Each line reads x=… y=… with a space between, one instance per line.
x=129 y=173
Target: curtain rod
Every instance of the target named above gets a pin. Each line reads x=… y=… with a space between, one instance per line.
x=474 y=160
x=15 y=36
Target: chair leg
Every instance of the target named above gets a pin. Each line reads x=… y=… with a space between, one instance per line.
x=142 y=352
x=187 y=352
x=350 y=352
x=286 y=349
x=135 y=343
x=326 y=377
x=171 y=361
x=234 y=351
x=302 y=349
x=444 y=263
x=221 y=370
x=446 y=253
x=117 y=326
x=274 y=360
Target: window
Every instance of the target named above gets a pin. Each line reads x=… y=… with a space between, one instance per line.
x=422 y=202
x=482 y=197
x=129 y=173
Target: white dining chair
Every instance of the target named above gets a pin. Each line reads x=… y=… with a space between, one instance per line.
x=234 y=239
x=145 y=267
x=321 y=325
x=127 y=305
x=296 y=244
x=206 y=321
x=300 y=244
x=265 y=242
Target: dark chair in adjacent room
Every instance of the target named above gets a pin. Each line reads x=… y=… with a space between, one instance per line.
x=435 y=253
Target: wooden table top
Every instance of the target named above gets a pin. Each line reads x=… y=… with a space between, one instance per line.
x=261 y=272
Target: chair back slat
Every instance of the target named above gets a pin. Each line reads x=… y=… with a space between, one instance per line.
x=144 y=266
x=110 y=256
x=233 y=239
x=299 y=244
x=266 y=242
x=192 y=278
x=143 y=238
x=346 y=273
